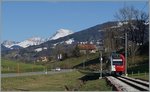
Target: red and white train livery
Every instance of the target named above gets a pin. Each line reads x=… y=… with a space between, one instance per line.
x=116 y=64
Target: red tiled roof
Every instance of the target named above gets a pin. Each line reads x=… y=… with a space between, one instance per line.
x=87 y=47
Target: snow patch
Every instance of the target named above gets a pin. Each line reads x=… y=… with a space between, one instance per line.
x=45 y=48
x=70 y=41
x=60 y=33
x=38 y=49
x=119 y=24
x=100 y=30
x=147 y=23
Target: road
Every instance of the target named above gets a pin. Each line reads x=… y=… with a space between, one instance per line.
x=35 y=73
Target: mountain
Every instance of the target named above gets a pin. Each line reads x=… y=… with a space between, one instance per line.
x=62 y=43
x=63 y=36
x=30 y=42
x=66 y=42
x=23 y=44
x=8 y=43
x=36 y=40
x=15 y=47
x=4 y=48
x=91 y=34
x=60 y=33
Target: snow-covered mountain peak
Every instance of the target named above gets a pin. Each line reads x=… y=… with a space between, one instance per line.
x=64 y=31
x=31 y=41
x=25 y=43
x=8 y=43
x=35 y=39
x=60 y=33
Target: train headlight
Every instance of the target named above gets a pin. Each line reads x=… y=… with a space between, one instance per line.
x=113 y=68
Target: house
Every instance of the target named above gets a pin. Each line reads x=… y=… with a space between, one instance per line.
x=91 y=48
x=43 y=59
x=59 y=57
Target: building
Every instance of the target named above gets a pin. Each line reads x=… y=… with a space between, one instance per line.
x=42 y=59
x=91 y=48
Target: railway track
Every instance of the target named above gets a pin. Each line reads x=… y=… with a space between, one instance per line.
x=128 y=84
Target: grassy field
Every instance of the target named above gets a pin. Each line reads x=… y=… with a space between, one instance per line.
x=96 y=85
x=139 y=68
x=141 y=64
x=144 y=76
x=55 y=82
x=71 y=62
x=10 y=66
x=14 y=66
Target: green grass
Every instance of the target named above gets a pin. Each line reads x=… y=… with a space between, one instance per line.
x=139 y=68
x=144 y=76
x=10 y=66
x=96 y=85
x=141 y=64
x=71 y=62
x=54 y=82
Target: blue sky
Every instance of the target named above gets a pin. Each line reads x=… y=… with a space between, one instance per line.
x=22 y=20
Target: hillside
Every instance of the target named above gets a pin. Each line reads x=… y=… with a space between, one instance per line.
x=3 y=48
x=93 y=33
x=72 y=62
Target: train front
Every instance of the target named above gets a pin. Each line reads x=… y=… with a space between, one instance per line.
x=118 y=64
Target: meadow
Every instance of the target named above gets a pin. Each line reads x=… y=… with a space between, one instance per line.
x=58 y=82
x=10 y=66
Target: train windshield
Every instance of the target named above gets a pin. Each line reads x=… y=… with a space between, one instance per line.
x=116 y=56
x=117 y=63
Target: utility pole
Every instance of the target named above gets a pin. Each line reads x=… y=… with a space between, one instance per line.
x=45 y=69
x=83 y=64
x=100 y=59
x=18 y=68
x=126 y=44
x=86 y=58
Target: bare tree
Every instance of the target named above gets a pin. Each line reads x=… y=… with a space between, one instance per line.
x=113 y=39
x=133 y=21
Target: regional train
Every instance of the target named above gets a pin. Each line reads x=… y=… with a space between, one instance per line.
x=116 y=64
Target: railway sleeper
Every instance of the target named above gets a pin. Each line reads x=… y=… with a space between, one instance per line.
x=115 y=87
x=137 y=81
x=135 y=85
x=119 y=85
